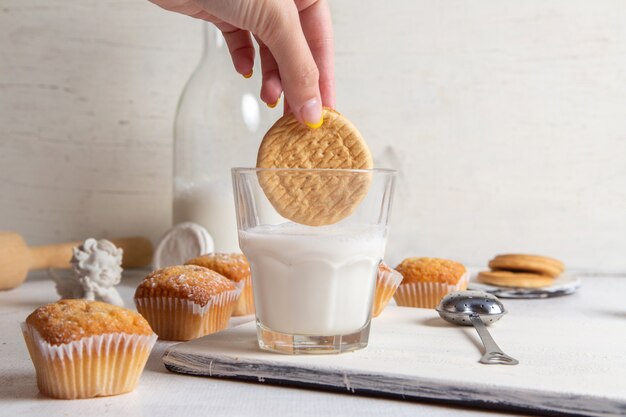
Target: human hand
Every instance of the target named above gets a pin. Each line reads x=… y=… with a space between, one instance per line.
x=295 y=45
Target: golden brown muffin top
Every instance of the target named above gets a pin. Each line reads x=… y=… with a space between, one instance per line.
x=189 y=282
x=431 y=270
x=233 y=266
x=69 y=320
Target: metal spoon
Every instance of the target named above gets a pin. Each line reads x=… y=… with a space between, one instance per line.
x=480 y=309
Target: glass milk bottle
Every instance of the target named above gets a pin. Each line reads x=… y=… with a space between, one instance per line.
x=219 y=124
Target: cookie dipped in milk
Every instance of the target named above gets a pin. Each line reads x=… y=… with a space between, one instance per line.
x=312 y=223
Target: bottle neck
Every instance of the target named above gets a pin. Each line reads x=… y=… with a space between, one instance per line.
x=213 y=41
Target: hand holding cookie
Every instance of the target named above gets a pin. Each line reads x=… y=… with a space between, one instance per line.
x=295 y=40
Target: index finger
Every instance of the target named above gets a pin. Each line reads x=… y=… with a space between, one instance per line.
x=317 y=26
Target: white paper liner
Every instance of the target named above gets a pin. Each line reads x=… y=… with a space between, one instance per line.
x=242 y=284
x=100 y=365
x=179 y=319
x=163 y=303
x=245 y=304
x=386 y=284
x=427 y=294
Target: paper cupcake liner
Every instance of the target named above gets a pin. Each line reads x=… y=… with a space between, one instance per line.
x=386 y=285
x=94 y=366
x=427 y=294
x=178 y=319
x=245 y=304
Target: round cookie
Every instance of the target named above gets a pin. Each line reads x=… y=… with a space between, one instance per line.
x=315 y=198
x=529 y=263
x=530 y=258
x=515 y=279
x=335 y=144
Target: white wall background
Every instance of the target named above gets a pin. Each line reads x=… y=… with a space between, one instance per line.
x=506 y=119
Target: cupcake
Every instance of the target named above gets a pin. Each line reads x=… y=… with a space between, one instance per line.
x=184 y=302
x=387 y=282
x=236 y=268
x=428 y=280
x=84 y=349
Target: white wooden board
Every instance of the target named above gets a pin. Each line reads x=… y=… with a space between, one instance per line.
x=413 y=354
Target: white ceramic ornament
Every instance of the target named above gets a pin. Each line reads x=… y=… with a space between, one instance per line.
x=96 y=266
x=182 y=242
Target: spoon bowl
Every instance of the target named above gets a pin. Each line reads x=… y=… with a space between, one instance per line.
x=478 y=309
x=457 y=306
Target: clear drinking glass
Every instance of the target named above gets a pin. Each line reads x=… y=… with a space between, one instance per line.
x=313 y=285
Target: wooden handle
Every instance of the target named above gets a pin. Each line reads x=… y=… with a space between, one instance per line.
x=14 y=260
x=137 y=253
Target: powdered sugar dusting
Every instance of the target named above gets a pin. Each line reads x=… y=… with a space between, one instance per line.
x=70 y=320
x=190 y=282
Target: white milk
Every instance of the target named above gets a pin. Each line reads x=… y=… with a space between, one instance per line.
x=210 y=204
x=313 y=280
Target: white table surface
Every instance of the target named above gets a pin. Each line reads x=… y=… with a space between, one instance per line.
x=161 y=393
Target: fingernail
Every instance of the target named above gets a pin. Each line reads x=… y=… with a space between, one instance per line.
x=248 y=75
x=271 y=106
x=311 y=113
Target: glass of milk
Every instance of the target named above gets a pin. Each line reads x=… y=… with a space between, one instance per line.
x=313 y=285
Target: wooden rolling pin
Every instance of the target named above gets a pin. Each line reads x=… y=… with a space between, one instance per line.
x=16 y=258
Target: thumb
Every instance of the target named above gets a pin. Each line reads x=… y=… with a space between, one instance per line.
x=298 y=71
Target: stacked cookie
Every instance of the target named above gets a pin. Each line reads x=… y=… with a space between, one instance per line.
x=523 y=271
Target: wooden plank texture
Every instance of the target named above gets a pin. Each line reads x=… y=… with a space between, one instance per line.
x=413 y=354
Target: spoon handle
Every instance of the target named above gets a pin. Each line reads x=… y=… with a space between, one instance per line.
x=493 y=354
